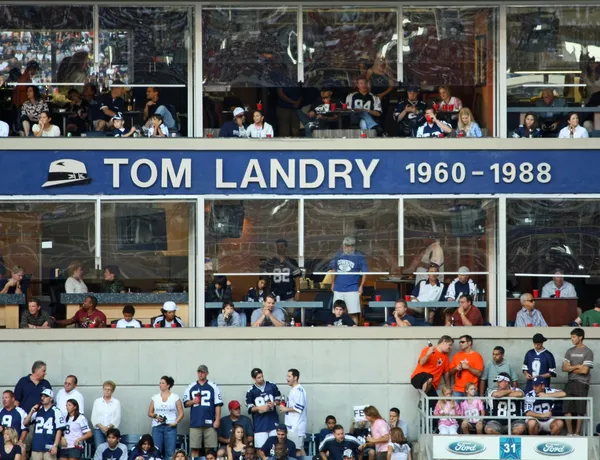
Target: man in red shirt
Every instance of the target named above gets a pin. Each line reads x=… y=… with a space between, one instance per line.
x=466 y=314
x=87 y=315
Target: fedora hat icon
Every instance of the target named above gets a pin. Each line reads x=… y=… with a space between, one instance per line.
x=67 y=172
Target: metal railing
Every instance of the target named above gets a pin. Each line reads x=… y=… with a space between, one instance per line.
x=426 y=416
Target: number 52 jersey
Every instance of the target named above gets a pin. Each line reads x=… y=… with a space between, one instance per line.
x=203 y=414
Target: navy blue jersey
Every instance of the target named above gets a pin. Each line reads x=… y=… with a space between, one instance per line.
x=283 y=281
x=203 y=414
x=501 y=407
x=46 y=424
x=540 y=405
x=538 y=364
x=13 y=419
x=522 y=132
x=336 y=449
x=255 y=396
x=103 y=452
x=145 y=454
x=268 y=447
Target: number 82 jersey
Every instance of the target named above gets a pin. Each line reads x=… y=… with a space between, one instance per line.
x=203 y=414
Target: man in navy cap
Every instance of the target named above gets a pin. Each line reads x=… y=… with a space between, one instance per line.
x=538 y=408
x=236 y=127
x=410 y=113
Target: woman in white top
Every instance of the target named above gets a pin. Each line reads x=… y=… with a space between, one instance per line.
x=74 y=283
x=44 y=127
x=106 y=413
x=260 y=128
x=449 y=99
x=76 y=432
x=166 y=411
x=573 y=130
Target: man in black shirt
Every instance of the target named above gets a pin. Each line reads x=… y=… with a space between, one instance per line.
x=335 y=444
x=156 y=104
x=340 y=316
x=410 y=114
x=318 y=115
x=367 y=106
x=110 y=104
x=285 y=281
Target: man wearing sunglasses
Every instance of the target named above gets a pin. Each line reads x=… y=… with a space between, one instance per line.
x=466 y=366
x=529 y=316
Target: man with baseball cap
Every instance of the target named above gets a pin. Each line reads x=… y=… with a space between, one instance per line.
x=409 y=114
x=226 y=427
x=558 y=283
x=268 y=448
x=203 y=397
x=462 y=285
x=345 y=285
x=538 y=362
x=235 y=128
x=538 y=408
x=48 y=424
x=501 y=407
x=168 y=317
x=319 y=115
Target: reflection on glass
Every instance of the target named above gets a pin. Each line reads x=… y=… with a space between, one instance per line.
x=557 y=50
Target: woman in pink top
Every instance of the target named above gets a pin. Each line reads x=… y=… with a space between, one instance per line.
x=380 y=432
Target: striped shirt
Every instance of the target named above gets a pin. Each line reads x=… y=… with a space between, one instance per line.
x=535 y=318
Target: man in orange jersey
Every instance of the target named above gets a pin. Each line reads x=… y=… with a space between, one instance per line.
x=433 y=363
x=466 y=366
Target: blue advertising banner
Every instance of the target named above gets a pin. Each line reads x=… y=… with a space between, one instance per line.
x=130 y=172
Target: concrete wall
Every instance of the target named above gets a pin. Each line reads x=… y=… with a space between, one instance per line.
x=339 y=367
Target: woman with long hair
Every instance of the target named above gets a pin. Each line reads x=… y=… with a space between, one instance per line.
x=31 y=110
x=44 y=127
x=237 y=443
x=260 y=291
x=573 y=130
x=145 y=449
x=529 y=128
x=380 y=432
x=166 y=411
x=398 y=448
x=467 y=123
x=76 y=433
x=260 y=128
x=11 y=450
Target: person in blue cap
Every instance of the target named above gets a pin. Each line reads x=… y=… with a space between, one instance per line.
x=409 y=114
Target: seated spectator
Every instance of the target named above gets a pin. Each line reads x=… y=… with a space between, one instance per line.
x=501 y=407
x=35 y=318
x=119 y=130
x=168 y=317
x=268 y=448
x=367 y=106
x=268 y=315
x=155 y=104
x=14 y=284
x=396 y=422
x=432 y=126
x=145 y=449
x=110 y=104
x=235 y=128
x=260 y=128
x=44 y=127
x=227 y=424
x=330 y=422
x=340 y=316
x=31 y=110
x=74 y=283
x=87 y=316
x=551 y=121
x=538 y=409
x=467 y=126
x=466 y=314
x=558 y=283
x=179 y=455
x=260 y=291
x=472 y=407
x=361 y=430
x=410 y=113
x=106 y=414
x=573 y=130
x=219 y=290
x=463 y=284
x=281 y=452
x=318 y=116
x=11 y=446
x=449 y=407
x=112 y=449
x=529 y=128
x=77 y=121
x=111 y=283
x=590 y=318
x=89 y=94
x=428 y=290
x=333 y=447
x=237 y=443
x=400 y=316
x=529 y=315
x=229 y=317
x=398 y=448
x=158 y=128
x=210 y=454
x=447 y=99
x=4 y=129
x=128 y=321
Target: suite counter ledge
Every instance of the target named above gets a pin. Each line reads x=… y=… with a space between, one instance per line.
x=9 y=309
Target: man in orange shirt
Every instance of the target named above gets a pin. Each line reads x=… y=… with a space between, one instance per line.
x=433 y=363
x=466 y=366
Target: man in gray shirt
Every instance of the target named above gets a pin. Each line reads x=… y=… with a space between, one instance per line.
x=578 y=362
x=268 y=315
x=493 y=368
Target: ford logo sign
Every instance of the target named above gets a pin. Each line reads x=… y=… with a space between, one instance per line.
x=554 y=449
x=465 y=448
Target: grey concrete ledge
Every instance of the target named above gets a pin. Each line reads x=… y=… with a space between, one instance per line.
x=12 y=299
x=132 y=298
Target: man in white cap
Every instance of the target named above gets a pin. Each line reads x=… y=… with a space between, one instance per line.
x=463 y=284
x=48 y=424
x=168 y=317
x=236 y=127
x=558 y=283
x=345 y=286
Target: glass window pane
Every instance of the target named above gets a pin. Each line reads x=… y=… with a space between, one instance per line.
x=453 y=48
x=451 y=234
x=45 y=238
x=552 y=68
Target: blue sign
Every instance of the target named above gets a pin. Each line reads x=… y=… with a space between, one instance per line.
x=299 y=172
x=510 y=448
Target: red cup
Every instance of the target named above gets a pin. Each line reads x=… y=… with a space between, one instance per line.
x=147 y=325
x=394 y=324
x=269 y=135
x=344 y=106
x=557 y=293
x=92 y=325
x=209 y=135
x=157 y=325
x=363 y=135
x=441 y=135
x=450 y=107
x=298 y=324
x=378 y=298
x=259 y=106
x=529 y=325
x=332 y=107
x=436 y=106
x=366 y=324
x=595 y=324
x=428 y=118
x=407 y=297
x=114 y=326
x=536 y=293
x=444 y=108
x=461 y=134
x=173 y=325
